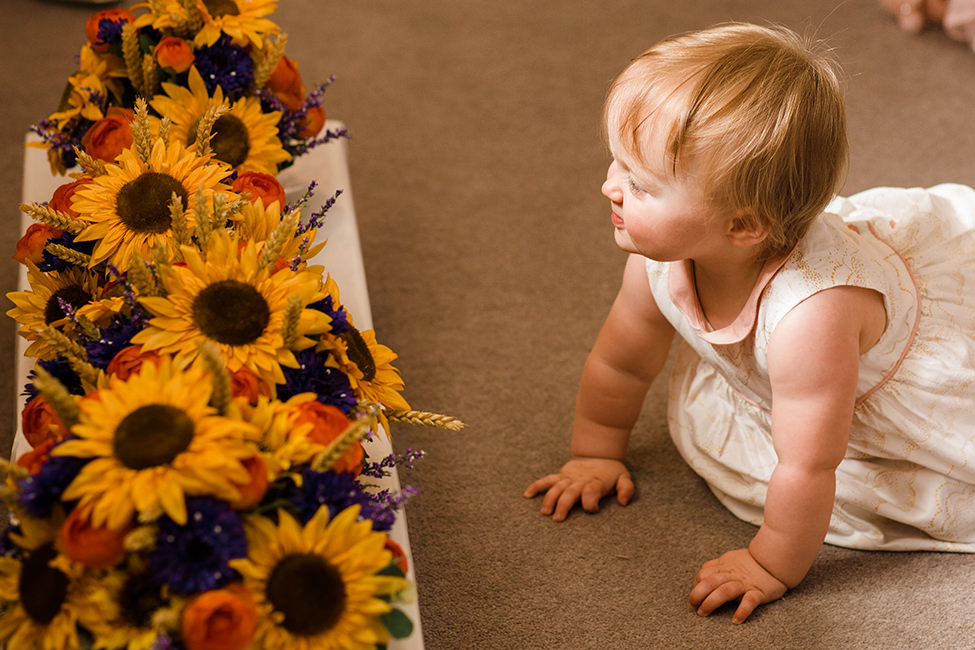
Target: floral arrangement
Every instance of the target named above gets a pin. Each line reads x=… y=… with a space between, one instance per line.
x=185 y=56
x=197 y=412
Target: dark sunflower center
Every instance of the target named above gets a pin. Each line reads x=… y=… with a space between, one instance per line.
x=308 y=591
x=42 y=588
x=139 y=599
x=231 y=312
x=230 y=141
x=359 y=353
x=219 y=8
x=143 y=203
x=152 y=435
x=73 y=294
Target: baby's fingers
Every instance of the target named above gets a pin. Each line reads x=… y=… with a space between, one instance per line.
x=749 y=602
x=542 y=485
x=570 y=494
x=624 y=489
x=723 y=593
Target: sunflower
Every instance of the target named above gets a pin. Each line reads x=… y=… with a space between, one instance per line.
x=40 y=306
x=367 y=363
x=127 y=209
x=243 y=20
x=245 y=137
x=139 y=607
x=318 y=587
x=45 y=596
x=233 y=301
x=257 y=221
x=154 y=439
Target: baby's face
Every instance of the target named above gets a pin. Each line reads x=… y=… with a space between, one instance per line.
x=656 y=214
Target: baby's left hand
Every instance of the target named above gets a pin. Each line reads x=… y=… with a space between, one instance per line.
x=734 y=575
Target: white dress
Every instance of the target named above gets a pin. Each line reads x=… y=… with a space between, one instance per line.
x=908 y=479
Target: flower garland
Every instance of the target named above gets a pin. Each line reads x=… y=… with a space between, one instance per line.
x=199 y=403
x=185 y=56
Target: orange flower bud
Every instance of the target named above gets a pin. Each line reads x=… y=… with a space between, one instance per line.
x=261 y=187
x=61 y=201
x=173 y=52
x=106 y=138
x=399 y=555
x=222 y=619
x=285 y=82
x=314 y=122
x=129 y=360
x=244 y=383
x=252 y=492
x=31 y=245
x=40 y=423
x=34 y=459
x=91 y=27
x=99 y=548
x=328 y=423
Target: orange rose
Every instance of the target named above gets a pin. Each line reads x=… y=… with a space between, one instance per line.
x=252 y=493
x=244 y=383
x=260 y=186
x=129 y=360
x=285 y=82
x=106 y=138
x=314 y=122
x=328 y=423
x=34 y=459
x=222 y=619
x=93 y=24
x=31 y=245
x=98 y=548
x=40 y=423
x=173 y=52
x=399 y=555
x=63 y=196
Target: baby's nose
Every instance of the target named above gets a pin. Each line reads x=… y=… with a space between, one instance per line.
x=611 y=188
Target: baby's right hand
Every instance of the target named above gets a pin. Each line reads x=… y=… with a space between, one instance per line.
x=585 y=479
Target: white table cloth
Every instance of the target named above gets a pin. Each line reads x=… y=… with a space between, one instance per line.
x=342 y=258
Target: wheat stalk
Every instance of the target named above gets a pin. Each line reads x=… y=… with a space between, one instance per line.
x=131 y=56
x=353 y=433
x=219 y=376
x=72 y=351
x=69 y=255
x=57 y=396
x=52 y=217
x=141 y=132
x=265 y=64
x=90 y=164
x=426 y=419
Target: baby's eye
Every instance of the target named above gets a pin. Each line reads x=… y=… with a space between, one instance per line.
x=634 y=188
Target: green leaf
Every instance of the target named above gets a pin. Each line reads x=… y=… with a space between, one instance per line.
x=399 y=624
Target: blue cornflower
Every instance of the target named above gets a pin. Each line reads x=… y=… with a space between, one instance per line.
x=110 y=30
x=59 y=368
x=226 y=65
x=39 y=493
x=338 y=491
x=312 y=375
x=340 y=318
x=194 y=557
x=114 y=337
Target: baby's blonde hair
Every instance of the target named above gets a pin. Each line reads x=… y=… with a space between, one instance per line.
x=756 y=113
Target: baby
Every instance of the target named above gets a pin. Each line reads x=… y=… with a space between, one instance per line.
x=825 y=389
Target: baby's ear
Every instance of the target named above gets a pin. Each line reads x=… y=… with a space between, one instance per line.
x=744 y=230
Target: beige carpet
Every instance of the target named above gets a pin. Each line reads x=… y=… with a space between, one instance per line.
x=476 y=164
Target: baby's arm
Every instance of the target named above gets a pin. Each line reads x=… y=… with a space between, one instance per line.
x=629 y=352
x=813 y=364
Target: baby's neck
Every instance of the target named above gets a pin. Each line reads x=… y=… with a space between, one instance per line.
x=723 y=289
